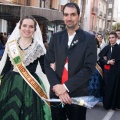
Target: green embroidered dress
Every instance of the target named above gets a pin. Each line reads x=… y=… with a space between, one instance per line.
x=17 y=100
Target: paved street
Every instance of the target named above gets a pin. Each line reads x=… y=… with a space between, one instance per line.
x=99 y=113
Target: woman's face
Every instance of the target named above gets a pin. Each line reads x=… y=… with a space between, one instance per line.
x=27 y=28
x=99 y=38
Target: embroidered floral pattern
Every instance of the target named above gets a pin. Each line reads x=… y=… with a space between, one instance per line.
x=33 y=52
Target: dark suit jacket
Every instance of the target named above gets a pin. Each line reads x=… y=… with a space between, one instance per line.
x=82 y=57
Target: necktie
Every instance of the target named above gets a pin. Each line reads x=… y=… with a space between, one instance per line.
x=65 y=72
x=109 y=53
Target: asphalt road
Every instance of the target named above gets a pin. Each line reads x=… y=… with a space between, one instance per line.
x=99 y=113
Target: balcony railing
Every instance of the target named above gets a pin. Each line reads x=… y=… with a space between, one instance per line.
x=94 y=10
x=100 y=13
x=104 y=15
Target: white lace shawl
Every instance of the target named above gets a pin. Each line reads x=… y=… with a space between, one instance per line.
x=29 y=55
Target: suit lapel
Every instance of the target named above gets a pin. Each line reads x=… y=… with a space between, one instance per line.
x=64 y=46
x=79 y=36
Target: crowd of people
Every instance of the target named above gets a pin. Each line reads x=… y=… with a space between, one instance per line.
x=104 y=82
x=76 y=64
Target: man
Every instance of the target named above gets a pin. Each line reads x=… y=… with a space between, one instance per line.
x=110 y=58
x=74 y=52
x=118 y=34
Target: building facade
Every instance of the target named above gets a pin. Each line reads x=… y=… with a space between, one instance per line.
x=46 y=12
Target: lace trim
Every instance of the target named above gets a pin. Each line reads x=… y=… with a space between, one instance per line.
x=29 y=55
x=32 y=53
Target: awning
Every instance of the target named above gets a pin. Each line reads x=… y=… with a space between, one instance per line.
x=17 y=11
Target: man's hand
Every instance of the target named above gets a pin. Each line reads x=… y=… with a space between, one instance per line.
x=112 y=61
x=105 y=57
x=65 y=98
x=59 y=89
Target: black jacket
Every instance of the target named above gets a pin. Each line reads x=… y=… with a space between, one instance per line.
x=82 y=57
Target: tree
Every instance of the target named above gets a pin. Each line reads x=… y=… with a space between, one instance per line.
x=116 y=26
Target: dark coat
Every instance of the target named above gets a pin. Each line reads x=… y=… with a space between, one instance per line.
x=82 y=57
x=111 y=78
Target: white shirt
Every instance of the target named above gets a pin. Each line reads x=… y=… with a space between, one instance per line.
x=118 y=41
x=70 y=39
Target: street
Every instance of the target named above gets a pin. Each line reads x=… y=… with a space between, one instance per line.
x=99 y=113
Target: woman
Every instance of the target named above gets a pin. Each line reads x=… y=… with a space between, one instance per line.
x=21 y=90
x=95 y=86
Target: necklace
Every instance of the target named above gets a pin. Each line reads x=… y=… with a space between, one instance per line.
x=24 y=44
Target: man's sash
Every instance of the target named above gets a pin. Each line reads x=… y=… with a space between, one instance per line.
x=29 y=79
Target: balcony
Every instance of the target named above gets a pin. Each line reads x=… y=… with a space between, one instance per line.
x=93 y=28
x=105 y=0
x=109 y=19
x=100 y=29
x=100 y=13
x=94 y=10
x=104 y=15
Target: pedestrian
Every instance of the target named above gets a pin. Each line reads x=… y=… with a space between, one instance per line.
x=118 y=34
x=101 y=41
x=1 y=38
x=18 y=98
x=74 y=52
x=95 y=86
x=110 y=58
x=5 y=38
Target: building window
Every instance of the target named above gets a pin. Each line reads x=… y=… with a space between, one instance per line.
x=42 y=3
x=28 y=2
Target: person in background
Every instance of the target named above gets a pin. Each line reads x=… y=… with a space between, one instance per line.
x=101 y=41
x=110 y=58
x=74 y=53
x=118 y=34
x=95 y=86
x=19 y=98
x=5 y=37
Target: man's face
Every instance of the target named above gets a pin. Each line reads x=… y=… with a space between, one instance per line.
x=112 y=39
x=99 y=38
x=71 y=17
x=118 y=33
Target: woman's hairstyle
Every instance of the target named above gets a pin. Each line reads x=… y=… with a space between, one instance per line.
x=28 y=17
x=73 y=5
x=100 y=35
x=98 y=45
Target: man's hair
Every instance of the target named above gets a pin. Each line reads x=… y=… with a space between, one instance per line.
x=73 y=5
x=113 y=33
x=118 y=30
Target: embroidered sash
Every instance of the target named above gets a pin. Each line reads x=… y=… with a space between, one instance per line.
x=99 y=69
x=29 y=79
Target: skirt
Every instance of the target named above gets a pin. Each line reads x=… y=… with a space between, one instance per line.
x=95 y=86
x=19 y=102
